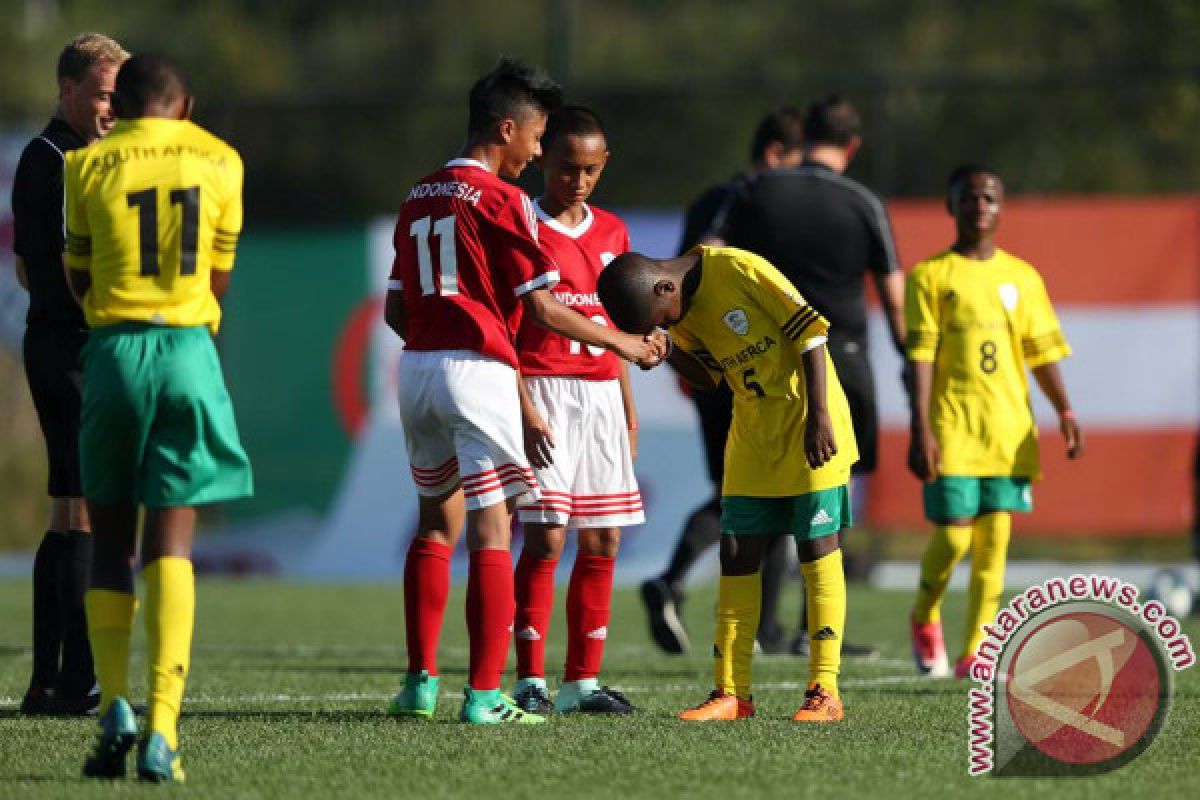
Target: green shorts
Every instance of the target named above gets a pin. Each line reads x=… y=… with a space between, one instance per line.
x=804 y=516
x=953 y=497
x=157 y=425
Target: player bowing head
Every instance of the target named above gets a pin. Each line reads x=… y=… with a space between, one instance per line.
x=641 y=294
x=791 y=444
x=574 y=154
x=508 y=108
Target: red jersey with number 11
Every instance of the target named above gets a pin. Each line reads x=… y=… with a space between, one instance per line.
x=466 y=250
x=580 y=253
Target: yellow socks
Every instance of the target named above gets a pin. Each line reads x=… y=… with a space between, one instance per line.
x=825 y=594
x=110 y=626
x=739 y=601
x=991 y=533
x=947 y=547
x=170 y=614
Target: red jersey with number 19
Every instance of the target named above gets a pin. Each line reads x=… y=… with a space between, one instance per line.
x=466 y=250
x=580 y=253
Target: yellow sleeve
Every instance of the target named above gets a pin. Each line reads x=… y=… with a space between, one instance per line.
x=1042 y=339
x=779 y=300
x=683 y=339
x=78 y=253
x=921 y=316
x=229 y=223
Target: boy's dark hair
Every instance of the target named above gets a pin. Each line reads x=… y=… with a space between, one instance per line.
x=510 y=91
x=146 y=78
x=626 y=289
x=831 y=120
x=571 y=120
x=784 y=125
x=963 y=171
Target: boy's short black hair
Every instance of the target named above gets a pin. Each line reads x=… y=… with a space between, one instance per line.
x=510 y=91
x=831 y=120
x=626 y=289
x=146 y=78
x=568 y=121
x=964 y=171
x=784 y=125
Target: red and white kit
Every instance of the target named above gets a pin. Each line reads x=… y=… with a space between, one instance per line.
x=466 y=250
x=591 y=483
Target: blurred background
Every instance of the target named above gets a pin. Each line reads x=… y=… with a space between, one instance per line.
x=1090 y=109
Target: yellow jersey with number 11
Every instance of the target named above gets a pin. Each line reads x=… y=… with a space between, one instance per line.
x=982 y=324
x=152 y=209
x=747 y=322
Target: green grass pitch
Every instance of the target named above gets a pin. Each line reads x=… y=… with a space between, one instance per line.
x=289 y=682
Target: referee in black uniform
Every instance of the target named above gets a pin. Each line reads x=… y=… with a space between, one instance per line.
x=63 y=680
x=826 y=232
x=776 y=145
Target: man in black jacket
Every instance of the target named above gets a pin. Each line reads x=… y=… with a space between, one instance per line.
x=62 y=680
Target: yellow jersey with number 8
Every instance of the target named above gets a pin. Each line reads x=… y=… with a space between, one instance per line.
x=151 y=210
x=747 y=322
x=982 y=324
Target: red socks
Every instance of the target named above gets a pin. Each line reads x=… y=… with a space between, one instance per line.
x=490 y=607
x=589 y=598
x=535 y=600
x=490 y=611
x=426 y=584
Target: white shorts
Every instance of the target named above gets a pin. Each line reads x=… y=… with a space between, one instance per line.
x=462 y=422
x=591 y=482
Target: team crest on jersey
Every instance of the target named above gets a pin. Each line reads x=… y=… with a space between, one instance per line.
x=737 y=321
x=1009 y=295
x=606 y=258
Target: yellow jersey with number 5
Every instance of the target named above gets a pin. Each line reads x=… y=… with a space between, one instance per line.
x=982 y=324
x=747 y=322
x=151 y=210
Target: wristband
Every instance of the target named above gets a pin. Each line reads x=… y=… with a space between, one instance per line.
x=670 y=345
x=1068 y=414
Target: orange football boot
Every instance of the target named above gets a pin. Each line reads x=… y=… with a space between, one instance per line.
x=820 y=706
x=719 y=706
x=962 y=667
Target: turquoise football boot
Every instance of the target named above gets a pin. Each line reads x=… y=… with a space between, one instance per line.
x=118 y=732
x=418 y=698
x=493 y=707
x=158 y=763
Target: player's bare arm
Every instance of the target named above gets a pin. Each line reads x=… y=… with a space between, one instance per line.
x=631 y=417
x=548 y=312
x=393 y=313
x=218 y=281
x=79 y=281
x=539 y=439
x=819 y=443
x=923 y=456
x=890 y=288
x=1049 y=378
x=22 y=273
x=691 y=369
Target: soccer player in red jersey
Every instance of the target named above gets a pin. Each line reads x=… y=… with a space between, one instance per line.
x=467 y=265
x=580 y=432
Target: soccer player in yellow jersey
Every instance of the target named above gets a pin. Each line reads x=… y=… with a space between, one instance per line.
x=977 y=318
x=787 y=461
x=153 y=214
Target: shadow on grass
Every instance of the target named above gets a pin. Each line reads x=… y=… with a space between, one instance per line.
x=317 y=715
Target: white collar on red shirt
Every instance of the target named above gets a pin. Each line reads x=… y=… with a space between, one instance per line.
x=466 y=162
x=553 y=224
